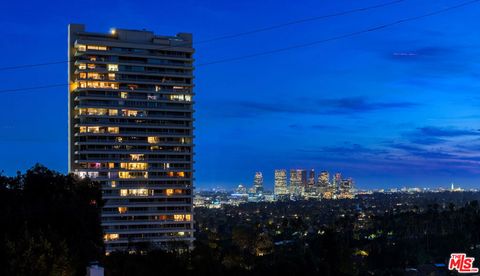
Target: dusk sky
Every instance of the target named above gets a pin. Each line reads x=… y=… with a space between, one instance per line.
x=391 y=108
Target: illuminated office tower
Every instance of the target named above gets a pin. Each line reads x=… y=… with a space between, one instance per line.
x=323 y=184
x=281 y=188
x=130 y=129
x=346 y=188
x=298 y=181
x=258 y=183
x=311 y=179
x=337 y=179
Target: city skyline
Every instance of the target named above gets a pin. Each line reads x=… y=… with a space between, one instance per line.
x=412 y=123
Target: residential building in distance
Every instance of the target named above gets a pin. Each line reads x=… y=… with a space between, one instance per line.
x=131 y=129
x=280 y=186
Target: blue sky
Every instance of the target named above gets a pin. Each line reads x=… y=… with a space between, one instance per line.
x=391 y=108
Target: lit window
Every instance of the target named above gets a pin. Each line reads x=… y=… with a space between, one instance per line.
x=122 y=210
x=111 y=237
x=153 y=139
x=137 y=157
x=111 y=165
x=113 y=184
x=96 y=48
x=94 y=129
x=81 y=47
x=166 y=166
x=113 y=129
x=181 y=174
x=82 y=75
x=123 y=95
x=133 y=174
x=95 y=76
x=182 y=217
x=112 y=67
x=178 y=217
x=82 y=66
x=181 y=97
x=111 y=76
x=169 y=192
x=113 y=112
x=134 y=166
x=136 y=192
x=83 y=129
x=91 y=66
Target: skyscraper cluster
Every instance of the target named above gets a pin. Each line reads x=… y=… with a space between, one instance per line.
x=303 y=184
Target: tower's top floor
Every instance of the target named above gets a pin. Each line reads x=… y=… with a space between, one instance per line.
x=133 y=37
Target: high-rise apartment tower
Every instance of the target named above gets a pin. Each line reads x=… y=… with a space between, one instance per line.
x=130 y=129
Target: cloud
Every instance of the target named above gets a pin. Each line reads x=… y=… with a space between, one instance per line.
x=426 y=54
x=360 y=104
x=340 y=106
x=353 y=149
x=446 y=132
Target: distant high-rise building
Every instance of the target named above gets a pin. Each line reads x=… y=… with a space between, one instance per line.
x=241 y=189
x=311 y=179
x=346 y=188
x=131 y=130
x=298 y=181
x=258 y=183
x=323 y=184
x=280 y=187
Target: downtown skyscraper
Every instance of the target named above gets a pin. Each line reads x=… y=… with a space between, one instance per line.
x=280 y=187
x=131 y=129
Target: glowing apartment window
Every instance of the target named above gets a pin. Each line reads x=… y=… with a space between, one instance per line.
x=182 y=217
x=133 y=175
x=123 y=95
x=134 y=166
x=95 y=76
x=181 y=174
x=82 y=66
x=113 y=129
x=111 y=76
x=96 y=47
x=94 y=129
x=113 y=184
x=178 y=217
x=166 y=166
x=111 y=237
x=136 y=192
x=83 y=129
x=169 y=192
x=122 y=210
x=81 y=47
x=113 y=112
x=82 y=75
x=111 y=165
x=137 y=157
x=153 y=139
x=91 y=66
x=112 y=67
